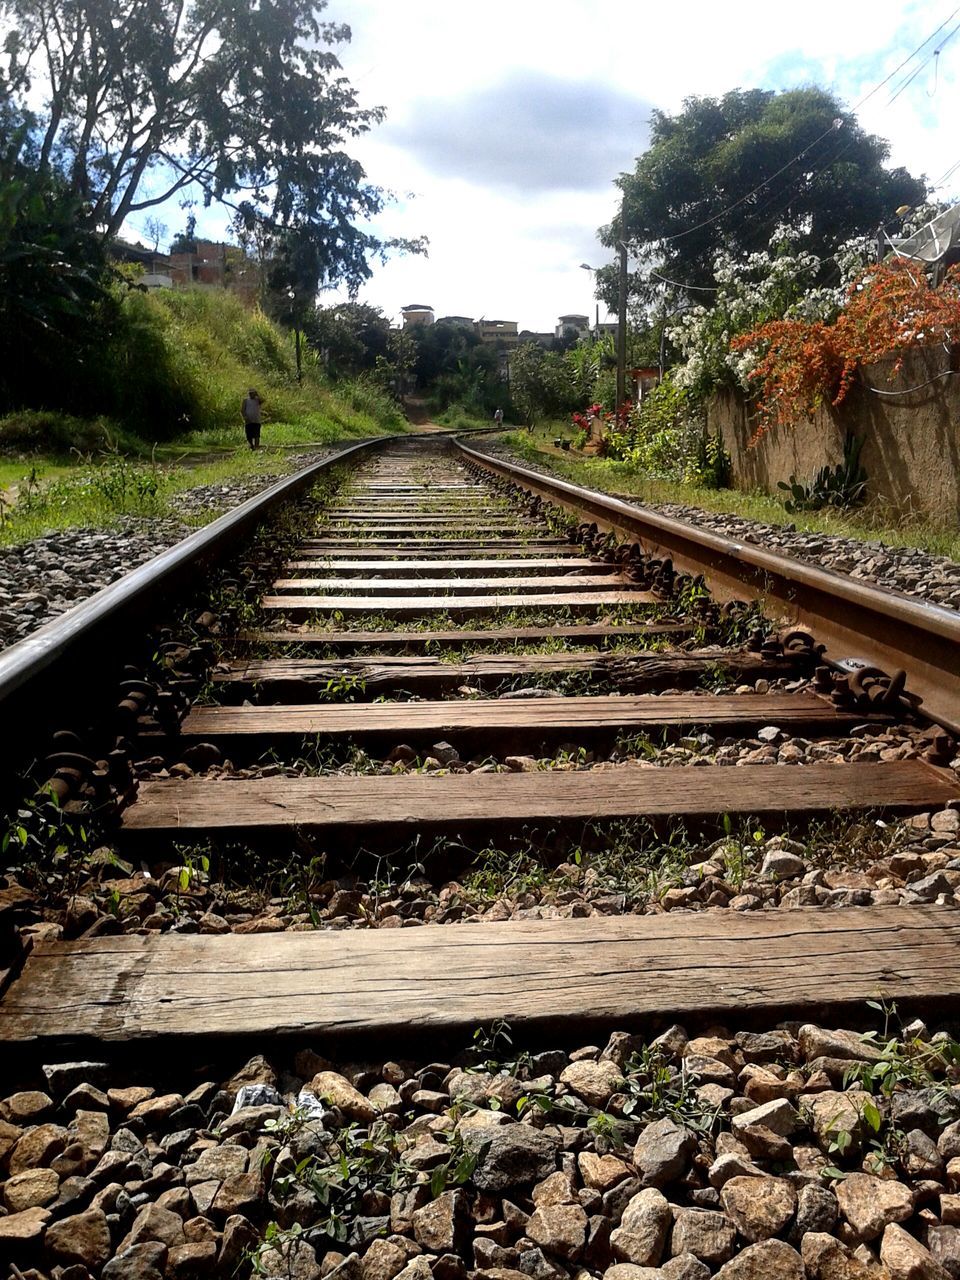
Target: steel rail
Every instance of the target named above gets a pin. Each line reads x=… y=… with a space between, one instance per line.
x=67 y=650
x=858 y=623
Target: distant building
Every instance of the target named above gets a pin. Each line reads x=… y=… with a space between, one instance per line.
x=416 y=314
x=541 y=339
x=464 y=322
x=156 y=266
x=206 y=264
x=501 y=331
x=573 y=324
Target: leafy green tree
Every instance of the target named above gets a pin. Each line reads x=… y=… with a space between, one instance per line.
x=350 y=337
x=53 y=282
x=543 y=383
x=454 y=366
x=241 y=102
x=724 y=172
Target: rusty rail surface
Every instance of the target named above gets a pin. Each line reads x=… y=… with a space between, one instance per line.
x=859 y=624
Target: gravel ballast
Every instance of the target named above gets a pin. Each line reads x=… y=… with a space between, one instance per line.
x=790 y=1152
x=43 y=578
x=905 y=569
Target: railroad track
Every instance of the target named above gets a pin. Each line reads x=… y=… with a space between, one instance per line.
x=434 y=701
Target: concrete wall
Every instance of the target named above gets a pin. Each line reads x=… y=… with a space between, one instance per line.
x=911 y=450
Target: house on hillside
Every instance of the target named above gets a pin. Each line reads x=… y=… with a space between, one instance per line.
x=498 y=331
x=416 y=314
x=575 y=325
x=156 y=265
x=206 y=263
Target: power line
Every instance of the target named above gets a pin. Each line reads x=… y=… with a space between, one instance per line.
x=678 y=284
x=945 y=176
x=835 y=125
x=913 y=74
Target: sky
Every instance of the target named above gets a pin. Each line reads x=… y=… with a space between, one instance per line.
x=509 y=120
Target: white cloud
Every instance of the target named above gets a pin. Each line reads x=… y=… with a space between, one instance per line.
x=512 y=207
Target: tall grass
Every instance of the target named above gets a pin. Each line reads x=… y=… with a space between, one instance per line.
x=175 y=364
x=37 y=499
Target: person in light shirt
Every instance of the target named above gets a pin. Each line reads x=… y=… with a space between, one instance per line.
x=252 y=417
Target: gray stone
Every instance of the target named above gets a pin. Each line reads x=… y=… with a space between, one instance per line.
x=31 y=1189
x=780 y=865
x=217 y=1163
x=293 y=1260
x=256 y=1095
x=23 y=1227
x=439 y=1225
x=827 y=1258
x=870 y=1204
x=778 y=1115
x=759 y=1207
x=685 y=1267
x=704 y=1233
x=513 y=1155
x=146 y=1261
x=816 y=1042
x=628 y=1271
x=817 y=1210
x=559 y=1229
x=907 y=1259
x=641 y=1237
x=663 y=1151
x=83 y=1238
x=833 y=1112
x=594 y=1082
x=730 y=1165
x=383 y=1260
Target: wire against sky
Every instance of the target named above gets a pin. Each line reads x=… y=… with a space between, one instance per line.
x=835 y=125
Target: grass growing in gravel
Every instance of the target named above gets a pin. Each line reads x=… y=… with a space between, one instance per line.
x=873 y=523
x=98 y=493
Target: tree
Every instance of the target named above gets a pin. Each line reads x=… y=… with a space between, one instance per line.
x=53 y=280
x=185 y=241
x=723 y=173
x=236 y=101
x=155 y=229
x=542 y=382
x=351 y=336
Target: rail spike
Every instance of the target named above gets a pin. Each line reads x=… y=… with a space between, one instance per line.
x=872 y=689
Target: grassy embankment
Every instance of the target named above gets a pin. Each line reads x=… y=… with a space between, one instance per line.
x=190 y=355
x=872 y=523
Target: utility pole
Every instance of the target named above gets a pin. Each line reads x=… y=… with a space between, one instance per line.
x=622 y=311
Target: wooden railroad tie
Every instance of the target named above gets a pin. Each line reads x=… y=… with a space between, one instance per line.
x=463 y=604
x=517 y=719
x=426 y=802
x=642 y=672
x=590 y=633
x=566 y=978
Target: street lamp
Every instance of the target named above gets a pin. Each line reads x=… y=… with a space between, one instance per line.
x=292 y=297
x=585 y=266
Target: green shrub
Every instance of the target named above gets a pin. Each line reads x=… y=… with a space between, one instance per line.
x=44 y=431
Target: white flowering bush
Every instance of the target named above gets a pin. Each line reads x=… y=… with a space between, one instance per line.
x=781 y=282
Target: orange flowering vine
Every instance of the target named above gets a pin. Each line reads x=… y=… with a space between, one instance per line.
x=890 y=310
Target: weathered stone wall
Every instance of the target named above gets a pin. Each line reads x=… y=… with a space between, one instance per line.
x=911 y=450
